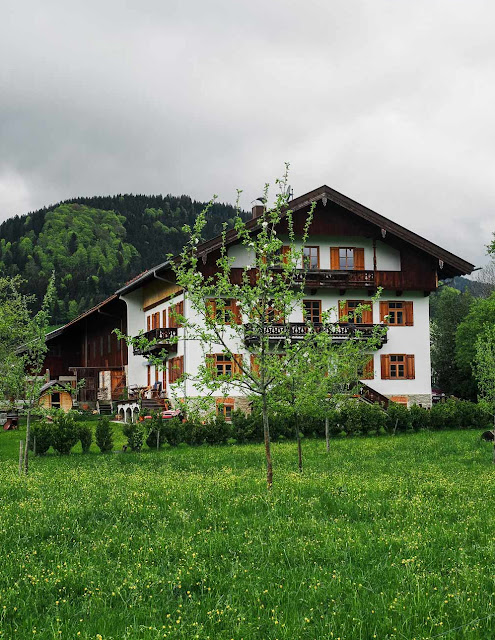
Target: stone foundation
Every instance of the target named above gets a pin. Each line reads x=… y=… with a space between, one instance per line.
x=424 y=399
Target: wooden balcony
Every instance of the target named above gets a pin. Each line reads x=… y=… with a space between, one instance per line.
x=340 y=331
x=160 y=339
x=406 y=280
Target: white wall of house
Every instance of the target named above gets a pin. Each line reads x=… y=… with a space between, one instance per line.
x=387 y=258
x=136 y=367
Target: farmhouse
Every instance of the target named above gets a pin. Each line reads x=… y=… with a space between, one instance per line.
x=351 y=251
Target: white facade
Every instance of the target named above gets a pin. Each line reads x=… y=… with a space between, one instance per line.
x=407 y=340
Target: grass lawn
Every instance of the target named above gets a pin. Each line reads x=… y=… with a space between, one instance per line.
x=382 y=538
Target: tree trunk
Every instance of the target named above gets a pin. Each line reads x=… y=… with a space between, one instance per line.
x=20 y=457
x=266 y=434
x=327 y=435
x=26 y=448
x=299 y=447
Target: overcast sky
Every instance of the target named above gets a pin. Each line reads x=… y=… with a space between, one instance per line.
x=390 y=102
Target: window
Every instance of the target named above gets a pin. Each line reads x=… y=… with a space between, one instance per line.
x=348 y=313
x=273 y=316
x=224 y=365
x=312 y=311
x=397 y=367
x=225 y=406
x=400 y=313
x=311 y=257
x=174 y=311
x=55 y=404
x=346 y=259
x=225 y=311
x=175 y=368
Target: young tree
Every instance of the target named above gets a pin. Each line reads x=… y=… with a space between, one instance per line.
x=23 y=348
x=484 y=369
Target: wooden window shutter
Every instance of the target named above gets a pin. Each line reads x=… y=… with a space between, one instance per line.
x=237 y=358
x=149 y=376
x=368 y=314
x=383 y=311
x=212 y=308
x=410 y=367
x=164 y=377
x=408 y=308
x=171 y=370
x=369 y=370
x=255 y=367
x=179 y=310
x=164 y=318
x=385 y=367
x=236 y=310
x=157 y=320
x=285 y=254
x=171 y=321
x=210 y=361
x=359 y=259
x=334 y=258
x=343 y=311
x=148 y=323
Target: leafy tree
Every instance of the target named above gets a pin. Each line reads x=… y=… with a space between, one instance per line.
x=451 y=307
x=484 y=367
x=481 y=312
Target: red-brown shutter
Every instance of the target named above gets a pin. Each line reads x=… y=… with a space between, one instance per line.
x=164 y=377
x=148 y=323
x=359 y=259
x=383 y=311
x=408 y=308
x=255 y=367
x=211 y=306
x=149 y=376
x=385 y=367
x=236 y=310
x=237 y=357
x=334 y=258
x=179 y=310
x=164 y=318
x=343 y=311
x=285 y=254
x=410 y=367
x=157 y=373
x=369 y=370
x=367 y=313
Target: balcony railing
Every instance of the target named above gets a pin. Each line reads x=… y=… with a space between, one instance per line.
x=160 y=339
x=340 y=331
x=330 y=278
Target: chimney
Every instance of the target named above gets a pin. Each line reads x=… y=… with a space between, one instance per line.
x=257 y=210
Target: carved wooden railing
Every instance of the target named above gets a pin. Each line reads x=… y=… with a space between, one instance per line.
x=160 y=338
x=340 y=331
x=371 y=395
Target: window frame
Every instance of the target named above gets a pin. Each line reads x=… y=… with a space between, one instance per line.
x=305 y=258
x=310 y=317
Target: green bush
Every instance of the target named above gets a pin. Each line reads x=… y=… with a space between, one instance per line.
x=173 y=431
x=420 y=417
x=85 y=436
x=398 y=418
x=65 y=431
x=134 y=432
x=104 y=434
x=43 y=432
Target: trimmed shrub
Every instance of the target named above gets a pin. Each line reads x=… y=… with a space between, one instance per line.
x=104 y=434
x=420 y=417
x=134 y=432
x=85 y=436
x=65 y=431
x=398 y=418
x=43 y=432
x=373 y=419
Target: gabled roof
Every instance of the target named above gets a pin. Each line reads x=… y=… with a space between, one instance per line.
x=56 y=332
x=453 y=265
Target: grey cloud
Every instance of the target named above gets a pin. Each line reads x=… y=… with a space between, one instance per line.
x=389 y=102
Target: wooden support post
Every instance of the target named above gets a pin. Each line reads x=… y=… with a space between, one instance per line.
x=21 y=456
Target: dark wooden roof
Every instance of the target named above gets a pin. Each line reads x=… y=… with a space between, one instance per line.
x=452 y=264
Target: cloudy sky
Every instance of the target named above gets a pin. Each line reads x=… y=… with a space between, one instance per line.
x=391 y=102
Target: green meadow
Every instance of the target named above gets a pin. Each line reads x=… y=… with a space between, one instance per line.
x=388 y=538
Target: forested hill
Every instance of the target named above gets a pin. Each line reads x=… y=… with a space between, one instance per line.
x=96 y=244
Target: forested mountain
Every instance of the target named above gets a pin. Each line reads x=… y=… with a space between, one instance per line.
x=96 y=244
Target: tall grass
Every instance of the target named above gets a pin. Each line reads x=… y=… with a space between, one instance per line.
x=386 y=538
